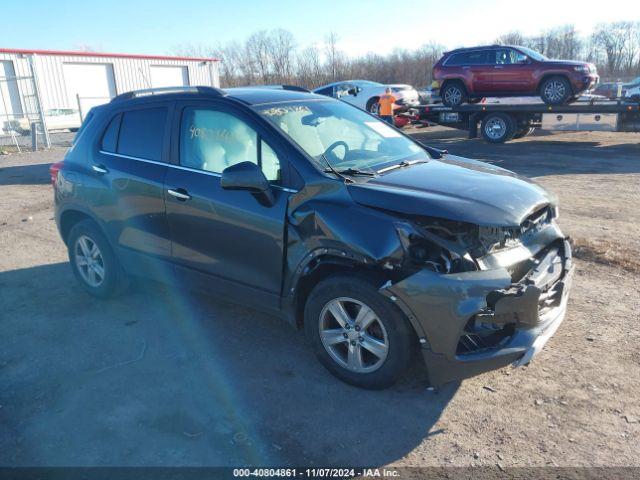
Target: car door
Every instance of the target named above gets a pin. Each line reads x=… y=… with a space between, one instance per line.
x=477 y=71
x=126 y=186
x=226 y=241
x=511 y=73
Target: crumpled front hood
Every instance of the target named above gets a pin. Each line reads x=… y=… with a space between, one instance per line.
x=455 y=188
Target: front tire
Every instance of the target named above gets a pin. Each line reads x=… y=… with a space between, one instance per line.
x=357 y=333
x=555 y=91
x=93 y=262
x=373 y=106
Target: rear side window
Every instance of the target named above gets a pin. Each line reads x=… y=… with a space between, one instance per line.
x=478 y=57
x=142 y=133
x=110 y=137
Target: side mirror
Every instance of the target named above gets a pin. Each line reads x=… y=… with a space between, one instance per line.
x=353 y=91
x=247 y=176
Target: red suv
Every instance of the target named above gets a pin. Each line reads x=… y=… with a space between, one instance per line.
x=468 y=74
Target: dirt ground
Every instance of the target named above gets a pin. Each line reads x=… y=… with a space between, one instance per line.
x=165 y=378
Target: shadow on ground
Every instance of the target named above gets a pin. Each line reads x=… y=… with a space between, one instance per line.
x=160 y=377
x=36 y=174
x=541 y=154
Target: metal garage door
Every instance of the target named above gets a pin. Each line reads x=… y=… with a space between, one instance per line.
x=10 y=105
x=92 y=83
x=169 y=76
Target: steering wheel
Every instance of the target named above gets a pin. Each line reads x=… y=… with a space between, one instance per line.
x=333 y=146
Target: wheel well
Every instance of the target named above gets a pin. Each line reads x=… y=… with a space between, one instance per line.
x=551 y=75
x=323 y=268
x=68 y=220
x=372 y=100
x=454 y=80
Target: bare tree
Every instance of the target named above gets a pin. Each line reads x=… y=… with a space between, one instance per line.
x=612 y=38
x=273 y=57
x=335 y=58
x=511 y=38
x=309 y=71
x=281 y=47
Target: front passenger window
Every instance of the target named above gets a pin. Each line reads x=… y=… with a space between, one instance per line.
x=211 y=140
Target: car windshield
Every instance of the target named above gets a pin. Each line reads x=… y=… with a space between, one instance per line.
x=533 y=54
x=347 y=137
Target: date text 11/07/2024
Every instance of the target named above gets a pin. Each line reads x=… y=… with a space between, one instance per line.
x=317 y=472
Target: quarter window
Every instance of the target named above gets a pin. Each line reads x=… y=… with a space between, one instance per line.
x=211 y=140
x=110 y=137
x=142 y=133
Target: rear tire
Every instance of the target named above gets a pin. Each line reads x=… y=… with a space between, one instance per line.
x=348 y=353
x=93 y=261
x=453 y=93
x=498 y=127
x=555 y=90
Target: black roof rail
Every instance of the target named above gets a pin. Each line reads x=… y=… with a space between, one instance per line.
x=203 y=90
x=293 y=88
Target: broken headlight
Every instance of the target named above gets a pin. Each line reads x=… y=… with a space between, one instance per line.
x=427 y=250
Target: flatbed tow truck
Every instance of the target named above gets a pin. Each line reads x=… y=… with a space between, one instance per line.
x=501 y=122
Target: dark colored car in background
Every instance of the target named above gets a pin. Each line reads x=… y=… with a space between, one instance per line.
x=312 y=209
x=469 y=74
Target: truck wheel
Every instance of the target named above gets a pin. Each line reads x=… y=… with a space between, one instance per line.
x=93 y=262
x=498 y=127
x=453 y=94
x=373 y=106
x=357 y=333
x=555 y=91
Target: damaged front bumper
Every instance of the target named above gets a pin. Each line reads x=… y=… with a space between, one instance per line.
x=478 y=321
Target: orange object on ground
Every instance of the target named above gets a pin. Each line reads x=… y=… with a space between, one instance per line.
x=386 y=104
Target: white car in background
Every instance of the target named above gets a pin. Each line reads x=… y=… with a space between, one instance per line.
x=633 y=93
x=56 y=118
x=365 y=94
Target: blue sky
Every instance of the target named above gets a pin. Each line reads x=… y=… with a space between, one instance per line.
x=159 y=26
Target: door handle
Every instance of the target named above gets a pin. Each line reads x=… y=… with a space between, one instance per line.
x=101 y=169
x=179 y=193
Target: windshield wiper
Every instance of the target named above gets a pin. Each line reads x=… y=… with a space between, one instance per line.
x=352 y=171
x=404 y=163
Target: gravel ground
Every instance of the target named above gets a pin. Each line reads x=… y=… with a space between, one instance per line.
x=164 y=378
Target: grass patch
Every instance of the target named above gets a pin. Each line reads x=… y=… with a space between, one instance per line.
x=605 y=252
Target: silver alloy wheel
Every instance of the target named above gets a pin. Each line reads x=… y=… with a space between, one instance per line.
x=353 y=335
x=495 y=128
x=555 y=90
x=89 y=261
x=374 y=108
x=453 y=95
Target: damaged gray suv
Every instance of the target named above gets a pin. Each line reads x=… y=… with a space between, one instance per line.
x=310 y=208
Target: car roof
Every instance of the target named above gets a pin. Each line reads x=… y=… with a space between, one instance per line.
x=247 y=95
x=480 y=47
x=259 y=95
